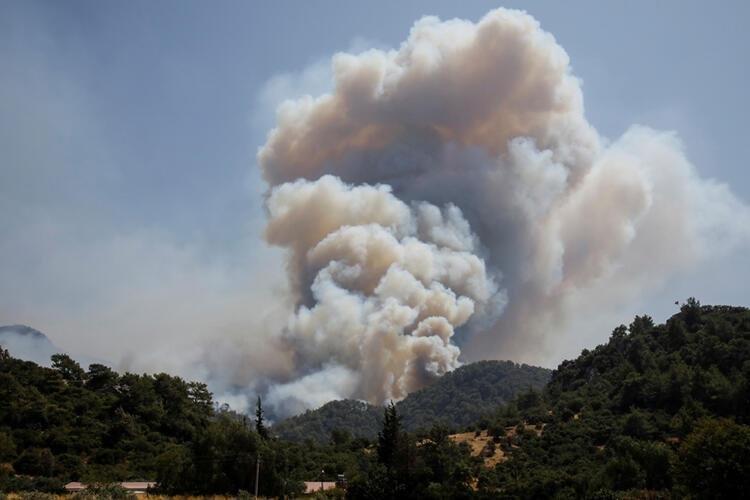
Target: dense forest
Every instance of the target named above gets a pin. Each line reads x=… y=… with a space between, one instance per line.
x=64 y=424
x=662 y=408
x=458 y=399
x=471 y=392
x=659 y=411
x=360 y=419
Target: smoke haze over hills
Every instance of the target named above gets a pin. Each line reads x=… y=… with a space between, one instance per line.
x=436 y=196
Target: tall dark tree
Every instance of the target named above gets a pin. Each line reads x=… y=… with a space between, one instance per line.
x=691 y=311
x=389 y=437
x=260 y=427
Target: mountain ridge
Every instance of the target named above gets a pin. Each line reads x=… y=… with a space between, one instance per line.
x=457 y=399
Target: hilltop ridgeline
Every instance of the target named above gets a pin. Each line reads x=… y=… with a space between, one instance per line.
x=458 y=399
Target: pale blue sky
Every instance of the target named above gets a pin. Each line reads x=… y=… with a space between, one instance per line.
x=128 y=132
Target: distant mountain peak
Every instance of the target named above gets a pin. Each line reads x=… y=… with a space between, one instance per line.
x=23 y=330
x=27 y=343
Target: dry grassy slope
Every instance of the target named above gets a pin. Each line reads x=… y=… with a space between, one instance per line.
x=478 y=443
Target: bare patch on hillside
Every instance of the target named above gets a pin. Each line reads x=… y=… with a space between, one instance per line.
x=481 y=445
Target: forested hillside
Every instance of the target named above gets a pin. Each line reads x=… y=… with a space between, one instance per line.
x=464 y=396
x=64 y=424
x=659 y=408
x=67 y=423
x=359 y=419
x=456 y=400
x=659 y=411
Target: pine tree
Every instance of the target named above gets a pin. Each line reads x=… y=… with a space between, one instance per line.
x=389 y=437
x=259 y=425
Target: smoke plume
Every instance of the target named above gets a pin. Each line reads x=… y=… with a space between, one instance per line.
x=451 y=192
x=382 y=286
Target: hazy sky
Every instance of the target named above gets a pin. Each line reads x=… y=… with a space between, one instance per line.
x=130 y=200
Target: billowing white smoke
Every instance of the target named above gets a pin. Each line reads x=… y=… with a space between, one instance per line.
x=461 y=160
x=388 y=283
